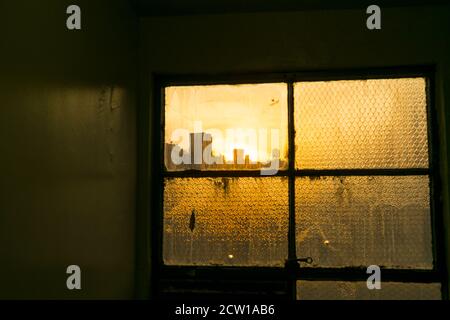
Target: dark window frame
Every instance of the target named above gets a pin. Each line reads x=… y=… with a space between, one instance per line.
x=163 y=275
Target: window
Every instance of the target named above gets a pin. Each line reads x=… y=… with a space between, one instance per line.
x=353 y=185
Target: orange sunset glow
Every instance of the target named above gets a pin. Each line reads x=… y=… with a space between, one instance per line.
x=250 y=118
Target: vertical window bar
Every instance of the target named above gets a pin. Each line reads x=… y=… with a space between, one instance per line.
x=437 y=219
x=292 y=254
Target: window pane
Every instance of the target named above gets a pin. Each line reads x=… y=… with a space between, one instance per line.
x=225 y=221
x=361 y=124
x=360 y=221
x=340 y=290
x=242 y=127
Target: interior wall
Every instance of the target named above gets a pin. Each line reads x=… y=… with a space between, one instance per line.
x=68 y=149
x=292 y=41
x=68 y=121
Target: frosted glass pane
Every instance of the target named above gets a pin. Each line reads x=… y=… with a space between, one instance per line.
x=225 y=221
x=360 y=221
x=361 y=124
x=239 y=127
x=340 y=290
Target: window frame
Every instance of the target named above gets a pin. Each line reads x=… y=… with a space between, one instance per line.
x=163 y=275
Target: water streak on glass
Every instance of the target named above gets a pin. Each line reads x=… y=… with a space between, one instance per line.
x=225 y=221
x=360 y=221
x=376 y=123
x=245 y=125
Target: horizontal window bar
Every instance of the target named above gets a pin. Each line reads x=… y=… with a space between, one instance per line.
x=273 y=274
x=305 y=75
x=298 y=173
x=363 y=172
x=221 y=173
x=224 y=273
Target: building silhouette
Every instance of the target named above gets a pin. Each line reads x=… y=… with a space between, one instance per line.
x=195 y=155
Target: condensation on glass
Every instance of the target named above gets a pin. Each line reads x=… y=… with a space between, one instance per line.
x=360 y=221
x=225 y=221
x=238 y=127
x=341 y=290
x=348 y=124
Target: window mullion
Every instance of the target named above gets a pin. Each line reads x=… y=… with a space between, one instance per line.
x=291 y=133
x=292 y=252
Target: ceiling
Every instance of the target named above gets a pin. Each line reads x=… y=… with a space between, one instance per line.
x=190 y=7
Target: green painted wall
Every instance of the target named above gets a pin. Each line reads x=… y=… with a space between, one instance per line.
x=67 y=149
